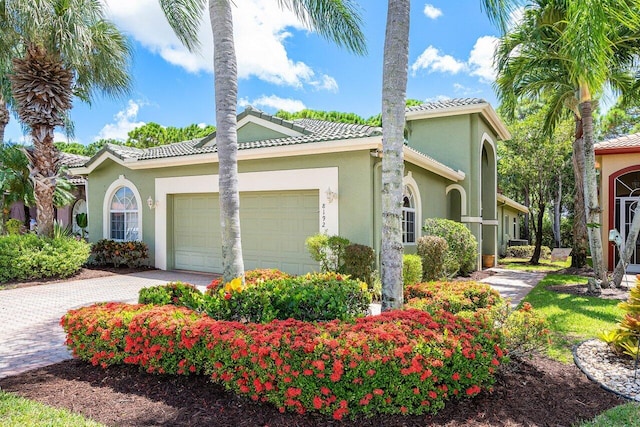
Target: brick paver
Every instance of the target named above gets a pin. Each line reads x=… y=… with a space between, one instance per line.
x=30 y=333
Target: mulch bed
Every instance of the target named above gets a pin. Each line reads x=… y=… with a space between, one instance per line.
x=539 y=392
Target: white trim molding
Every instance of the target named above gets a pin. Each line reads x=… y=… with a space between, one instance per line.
x=493 y=222
x=471 y=219
x=106 y=206
x=410 y=182
x=463 y=197
x=320 y=179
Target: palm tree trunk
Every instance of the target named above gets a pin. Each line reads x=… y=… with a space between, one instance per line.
x=580 y=239
x=4 y=118
x=592 y=207
x=557 y=204
x=43 y=175
x=394 y=88
x=627 y=250
x=226 y=92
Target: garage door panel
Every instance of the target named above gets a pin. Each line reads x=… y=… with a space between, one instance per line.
x=274 y=228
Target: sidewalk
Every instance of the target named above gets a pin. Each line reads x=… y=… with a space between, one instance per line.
x=31 y=337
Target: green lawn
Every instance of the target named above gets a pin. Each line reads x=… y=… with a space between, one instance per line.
x=572 y=318
x=624 y=415
x=18 y=412
x=523 y=264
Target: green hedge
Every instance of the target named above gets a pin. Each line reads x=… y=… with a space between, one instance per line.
x=29 y=257
x=527 y=252
x=451 y=296
x=318 y=296
x=176 y=293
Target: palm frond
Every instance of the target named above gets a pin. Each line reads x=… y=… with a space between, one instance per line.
x=184 y=17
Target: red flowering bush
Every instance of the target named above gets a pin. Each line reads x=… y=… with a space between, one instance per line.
x=451 y=296
x=399 y=362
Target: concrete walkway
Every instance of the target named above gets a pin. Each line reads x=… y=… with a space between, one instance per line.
x=31 y=336
x=513 y=284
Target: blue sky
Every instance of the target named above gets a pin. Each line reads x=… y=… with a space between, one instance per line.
x=282 y=65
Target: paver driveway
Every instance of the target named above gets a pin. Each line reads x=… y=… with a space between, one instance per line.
x=30 y=334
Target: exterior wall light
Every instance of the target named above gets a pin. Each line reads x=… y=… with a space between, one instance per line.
x=151 y=203
x=331 y=195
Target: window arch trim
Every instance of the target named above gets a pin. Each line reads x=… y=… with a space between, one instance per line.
x=410 y=183
x=106 y=207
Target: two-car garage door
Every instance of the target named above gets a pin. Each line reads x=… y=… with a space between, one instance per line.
x=274 y=225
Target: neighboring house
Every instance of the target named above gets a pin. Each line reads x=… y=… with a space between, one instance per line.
x=509 y=217
x=65 y=215
x=297 y=179
x=618 y=168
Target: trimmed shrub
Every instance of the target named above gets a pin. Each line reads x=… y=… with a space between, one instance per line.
x=328 y=251
x=110 y=252
x=454 y=297
x=433 y=253
x=341 y=369
x=29 y=257
x=318 y=296
x=14 y=226
x=176 y=293
x=524 y=330
x=527 y=251
x=411 y=269
x=359 y=263
x=463 y=247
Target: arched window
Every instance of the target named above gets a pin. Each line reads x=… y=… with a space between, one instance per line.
x=408 y=217
x=123 y=215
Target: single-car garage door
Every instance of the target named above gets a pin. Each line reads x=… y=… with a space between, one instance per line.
x=274 y=225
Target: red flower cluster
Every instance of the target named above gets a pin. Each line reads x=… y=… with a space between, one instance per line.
x=336 y=368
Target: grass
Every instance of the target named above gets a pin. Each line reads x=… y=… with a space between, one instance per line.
x=19 y=412
x=572 y=318
x=623 y=415
x=523 y=264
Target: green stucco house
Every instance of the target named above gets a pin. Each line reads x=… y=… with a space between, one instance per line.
x=300 y=178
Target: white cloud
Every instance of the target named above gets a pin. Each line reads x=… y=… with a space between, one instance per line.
x=431 y=11
x=260 y=33
x=124 y=123
x=432 y=60
x=63 y=137
x=325 y=83
x=464 y=90
x=274 y=102
x=481 y=58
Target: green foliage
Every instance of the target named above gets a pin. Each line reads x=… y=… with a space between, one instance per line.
x=176 y=293
x=328 y=251
x=17 y=411
x=526 y=251
x=337 y=368
x=14 y=226
x=325 y=296
x=433 y=253
x=359 y=263
x=525 y=330
x=624 y=338
x=29 y=257
x=111 y=252
x=454 y=297
x=623 y=415
x=60 y=230
x=463 y=248
x=71 y=147
x=152 y=134
x=411 y=269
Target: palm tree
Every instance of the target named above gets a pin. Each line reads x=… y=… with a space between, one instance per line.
x=69 y=50
x=394 y=88
x=539 y=57
x=15 y=185
x=336 y=20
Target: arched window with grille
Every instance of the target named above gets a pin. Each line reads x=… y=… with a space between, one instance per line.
x=408 y=217
x=124 y=215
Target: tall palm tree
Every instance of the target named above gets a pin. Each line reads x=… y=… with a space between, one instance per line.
x=539 y=57
x=335 y=20
x=394 y=88
x=70 y=49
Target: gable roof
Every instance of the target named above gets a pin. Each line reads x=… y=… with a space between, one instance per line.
x=459 y=106
x=620 y=145
x=304 y=136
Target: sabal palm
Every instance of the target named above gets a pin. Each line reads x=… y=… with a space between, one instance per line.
x=336 y=20
x=537 y=57
x=394 y=88
x=69 y=50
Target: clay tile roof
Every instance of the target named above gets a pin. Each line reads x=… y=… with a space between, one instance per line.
x=446 y=104
x=619 y=143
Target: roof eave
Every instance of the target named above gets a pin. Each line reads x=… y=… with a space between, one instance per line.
x=512 y=203
x=432 y=165
x=485 y=109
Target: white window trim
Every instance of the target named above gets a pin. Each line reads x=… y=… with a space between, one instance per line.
x=409 y=181
x=106 y=207
x=320 y=179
